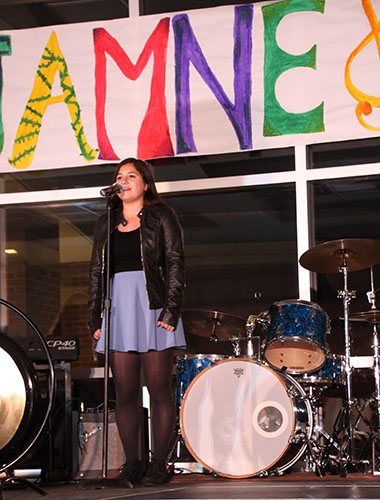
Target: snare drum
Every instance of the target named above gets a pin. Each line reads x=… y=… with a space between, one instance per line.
x=188 y=367
x=240 y=418
x=296 y=336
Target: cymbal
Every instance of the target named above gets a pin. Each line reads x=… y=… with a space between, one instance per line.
x=371 y=316
x=328 y=257
x=204 y=323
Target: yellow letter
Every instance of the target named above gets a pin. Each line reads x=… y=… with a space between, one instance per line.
x=366 y=102
x=25 y=144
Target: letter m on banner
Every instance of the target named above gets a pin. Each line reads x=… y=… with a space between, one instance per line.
x=153 y=139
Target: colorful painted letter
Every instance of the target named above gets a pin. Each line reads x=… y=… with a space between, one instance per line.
x=276 y=120
x=154 y=138
x=28 y=131
x=366 y=102
x=187 y=49
x=5 y=50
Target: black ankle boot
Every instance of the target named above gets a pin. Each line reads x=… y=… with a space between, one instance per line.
x=157 y=473
x=131 y=471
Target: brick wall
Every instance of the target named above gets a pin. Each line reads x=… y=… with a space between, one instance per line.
x=73 y=317
x=51 y=294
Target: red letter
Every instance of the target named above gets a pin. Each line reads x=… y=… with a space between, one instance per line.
x=154 y=139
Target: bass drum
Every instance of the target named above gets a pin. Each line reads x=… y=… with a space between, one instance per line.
x=21 y=404
x=188 y=367
x=239 y=418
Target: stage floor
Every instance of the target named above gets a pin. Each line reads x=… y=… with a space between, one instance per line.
x=295 y=486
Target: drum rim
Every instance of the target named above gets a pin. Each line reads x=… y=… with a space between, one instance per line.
x=277 y=374
x=201 y=356
x=296 y=338
x=313 y=305
x=309 y=409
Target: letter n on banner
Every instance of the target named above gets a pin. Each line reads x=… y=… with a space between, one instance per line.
x=277 y=121
x=187 y=49
x=5 y=50
x=154 y=138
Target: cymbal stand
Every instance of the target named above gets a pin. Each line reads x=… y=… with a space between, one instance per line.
x=347 y=295
x=215 y=323
x=376 y=366
x=250 y=327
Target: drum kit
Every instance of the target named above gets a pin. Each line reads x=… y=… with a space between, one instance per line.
x=255 y=412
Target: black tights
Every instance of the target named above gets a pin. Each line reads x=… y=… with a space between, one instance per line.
x=157 y=367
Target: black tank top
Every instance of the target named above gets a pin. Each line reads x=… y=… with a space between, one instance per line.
x=125 y=251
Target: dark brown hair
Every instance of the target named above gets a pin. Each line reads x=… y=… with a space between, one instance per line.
x=151 y=195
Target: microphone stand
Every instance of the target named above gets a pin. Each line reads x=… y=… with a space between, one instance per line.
x=105 y=481
x=107 y=317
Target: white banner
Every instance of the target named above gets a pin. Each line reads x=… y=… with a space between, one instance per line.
x=209 y=81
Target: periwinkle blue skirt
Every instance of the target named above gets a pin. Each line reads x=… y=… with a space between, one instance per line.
x=133 y=326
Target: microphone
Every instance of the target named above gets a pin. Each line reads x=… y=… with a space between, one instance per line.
x=111 y=190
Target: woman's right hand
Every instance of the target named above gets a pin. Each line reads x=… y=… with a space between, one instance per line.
x=96 y=334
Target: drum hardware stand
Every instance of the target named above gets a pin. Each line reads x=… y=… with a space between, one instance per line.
x=312 y=448
x=250 y=327
x=340 y=459
x=373 y=317
x=345 y=254
x=344 y=456
x=346 y=295
x=213 y=335
x=236 y=346
x=376 y=366
x=257 y=297
x=177 y=441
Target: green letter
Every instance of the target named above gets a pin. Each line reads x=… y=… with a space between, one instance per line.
x=277 y=121
x=5 y=50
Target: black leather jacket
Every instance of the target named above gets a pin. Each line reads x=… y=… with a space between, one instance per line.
x=162 y=258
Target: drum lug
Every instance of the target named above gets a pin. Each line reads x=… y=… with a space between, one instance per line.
x=297 y=438
x=263 y=473
x=292 y=393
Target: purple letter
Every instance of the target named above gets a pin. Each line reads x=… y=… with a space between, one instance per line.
x=187 y=49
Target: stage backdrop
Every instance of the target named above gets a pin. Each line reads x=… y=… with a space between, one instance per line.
x=207 y=81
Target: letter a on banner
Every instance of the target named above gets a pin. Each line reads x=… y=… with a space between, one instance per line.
x=52 y=61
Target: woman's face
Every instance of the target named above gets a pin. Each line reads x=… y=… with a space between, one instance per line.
x=133 y=184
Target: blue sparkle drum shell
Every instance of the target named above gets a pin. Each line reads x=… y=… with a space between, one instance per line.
x=331 y=373
x=188 y=367
x=296 y=336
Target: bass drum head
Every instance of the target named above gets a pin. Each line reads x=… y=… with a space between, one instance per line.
x=236 y=418
x=21 y=410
